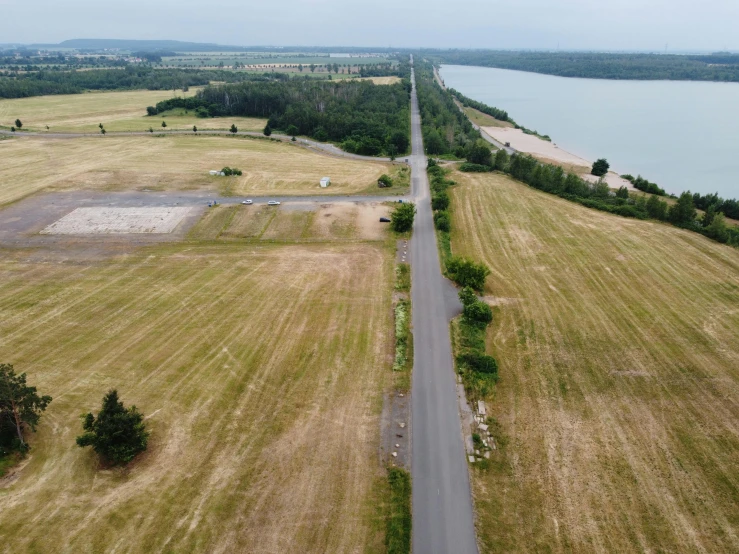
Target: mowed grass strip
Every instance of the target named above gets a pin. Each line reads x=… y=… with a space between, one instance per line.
x=176 y=163
x=117 y=111
x=260 y=372
x=618 y=342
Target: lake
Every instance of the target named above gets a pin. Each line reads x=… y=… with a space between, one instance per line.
x=682 y=135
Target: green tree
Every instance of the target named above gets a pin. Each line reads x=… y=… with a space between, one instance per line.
x=478 y=313
x=12 y=129
x=717 y=229
x=683 y=212
x=291 y=130
x=467 y=296
x=501 y=160
x=20 y=404
x=151 y=130
x=467 y=273
x=400 y=140
x=151 y=110
x=19 y=123
x=384 y=181
x=600 y=167
x=312 y=67
x=656 y=208
x=440 y=201
x=622 y=192
x=708 y=216
x=434 y=143
x=300 y=67
x=442 y=221
x=164 y=123
x=267 y=130
x=117 y=434
x=102 y=131
x=194 y=129
x=479 y=153
x=233 y=128
x=100 y=125
x=401 y=220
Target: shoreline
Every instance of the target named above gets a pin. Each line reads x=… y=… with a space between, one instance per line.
x=551 y=153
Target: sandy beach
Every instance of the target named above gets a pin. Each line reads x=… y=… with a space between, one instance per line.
x=549 y=152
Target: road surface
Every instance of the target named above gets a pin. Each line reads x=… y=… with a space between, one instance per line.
x=442 y=504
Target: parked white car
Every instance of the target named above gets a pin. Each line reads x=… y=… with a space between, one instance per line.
x=273 y=203
x=247 y=202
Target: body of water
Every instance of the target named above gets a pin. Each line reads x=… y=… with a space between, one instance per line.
x=682 y=135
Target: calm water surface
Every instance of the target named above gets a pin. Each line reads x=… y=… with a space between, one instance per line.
x=682 y=135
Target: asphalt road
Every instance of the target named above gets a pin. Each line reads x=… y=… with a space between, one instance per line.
x=443 y=520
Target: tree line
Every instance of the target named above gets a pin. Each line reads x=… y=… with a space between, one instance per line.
x=500 y=115
x=362 y=117
x=591 y=65
x=446 y=130
x=130 y=78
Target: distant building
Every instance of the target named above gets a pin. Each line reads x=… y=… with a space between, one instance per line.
x=326 y=181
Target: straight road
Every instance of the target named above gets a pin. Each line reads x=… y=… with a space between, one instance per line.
x=442 y=504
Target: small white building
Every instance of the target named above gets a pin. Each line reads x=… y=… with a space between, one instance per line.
x=326 y=181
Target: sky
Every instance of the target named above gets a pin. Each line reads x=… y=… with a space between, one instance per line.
x=654 y=25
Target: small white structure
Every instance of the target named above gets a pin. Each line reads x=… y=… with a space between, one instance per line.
x=214 y=172
x=326 y=181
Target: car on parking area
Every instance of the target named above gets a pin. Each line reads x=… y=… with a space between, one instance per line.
x=273 y=203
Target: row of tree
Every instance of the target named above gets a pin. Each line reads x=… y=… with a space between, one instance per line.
x=446 y=130
x=117 y=434
x=130 y=78
x=716 y=67
x=363 y=117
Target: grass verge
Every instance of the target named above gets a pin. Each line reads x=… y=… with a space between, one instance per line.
x=399 y=520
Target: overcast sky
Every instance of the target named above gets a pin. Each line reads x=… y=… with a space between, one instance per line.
x=547 y=24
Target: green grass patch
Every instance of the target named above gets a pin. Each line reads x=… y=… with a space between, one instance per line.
x=403 y=277
x=399 y=522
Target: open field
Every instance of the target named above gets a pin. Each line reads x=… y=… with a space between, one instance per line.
x=178 y=163
x=483 y=119
x=333 y=221
x=117 y=111
x=260 y=370
x=618 y=342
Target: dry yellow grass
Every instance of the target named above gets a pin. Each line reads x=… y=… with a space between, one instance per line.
x=334 y=221
x=117 y=111
x=177 y=163
x=618 y=342
x=483 y=119
x=260 y=370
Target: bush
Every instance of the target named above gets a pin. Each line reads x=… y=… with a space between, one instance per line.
x=467 y=273
x=474 y=168
x=151 y=110
x=401 y=220
x=600 y=167
x=228 y=171
x=384 y=181
x=291 y=130
x=442 y=221
x=478 y=313
x=267 y=130
x=482 y=363
x=440 y=201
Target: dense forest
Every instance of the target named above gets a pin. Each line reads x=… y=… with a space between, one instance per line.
x=129 y=78
x=363 y=117
x=715 y=67
x=446 y=130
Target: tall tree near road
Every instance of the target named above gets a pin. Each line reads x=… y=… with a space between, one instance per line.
x=18 y=123
x=20 y=404
x=600 y=167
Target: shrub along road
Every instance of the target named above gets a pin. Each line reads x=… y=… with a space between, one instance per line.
x=442 y=506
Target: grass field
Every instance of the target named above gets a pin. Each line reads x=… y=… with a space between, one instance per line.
x=260 y=370
x=117 y=111
x=177 y=163
x=483 y=119
x=618 y=342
